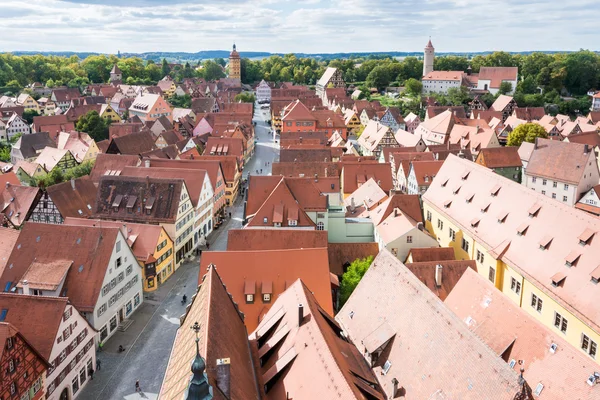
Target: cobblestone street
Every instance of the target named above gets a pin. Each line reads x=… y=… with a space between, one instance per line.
x=149 y=339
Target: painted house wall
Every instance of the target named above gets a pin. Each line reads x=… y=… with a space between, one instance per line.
x=503 y=278
x=120 y=294
x=401 y=245
x=74 y=344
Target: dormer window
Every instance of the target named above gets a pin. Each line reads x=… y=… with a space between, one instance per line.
x=249 y=291
x=545 y=242
x=484 y=209
x=533 y=211
x=444 y=182
x=522 y=229
x=292 y=222
x=265 y=220
x=447 y=203
x=586 y=237
x=470 y=198
x=502 y=217
x=495 y=190
x=572 y=258
x=465 y=175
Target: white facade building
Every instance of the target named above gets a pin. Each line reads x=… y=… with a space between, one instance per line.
x=121 y=291
x=16 y=125
x=263 y=92
x=442 y=81
x=72 y=357
x=203 y=220
x=561 y=170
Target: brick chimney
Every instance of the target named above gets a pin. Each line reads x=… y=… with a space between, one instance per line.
x=25 y=287
x=300 y=314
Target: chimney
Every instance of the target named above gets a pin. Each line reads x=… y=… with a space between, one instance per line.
x=395 y=212
x=300 y=314
x=535 y=145
x=224 y=376
x=586 y=149
x=73 y=183
x=395 y=387
x=325 y=172
x=25 y=287
x=300 y=139
x=352 y=205
x=438 y=275
x=124 y=231
x=147 y=163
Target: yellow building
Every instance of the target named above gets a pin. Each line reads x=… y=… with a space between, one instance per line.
x=29 y=103
x=352 y=121
x=152 y=246
x=235 y=65
x=107 y=112
x=539 y=252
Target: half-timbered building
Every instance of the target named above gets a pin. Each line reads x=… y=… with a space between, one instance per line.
x=22 y=367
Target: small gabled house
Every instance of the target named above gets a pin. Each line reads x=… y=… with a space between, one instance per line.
x=29 y=147
x=57 y=331
x=375 y=137
x=16 y=125
x=94 y=267
x=421 y=175
x=505 y=105
x=502 y=160
x=60 y=159
x=393 y=119
x=17 y=204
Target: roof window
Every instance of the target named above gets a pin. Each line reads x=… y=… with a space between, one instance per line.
x=572 y=258
x=447 y=203
x=586 y=236
x=249 y=291
x=545 y=242
x=470 y=197
x=533 y=211
x=558 y=279
x=596 y=274
x=495 y=190
x=502 y=217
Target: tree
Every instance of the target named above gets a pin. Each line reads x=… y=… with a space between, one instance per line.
x=505 y=88
x=526 y=133
x=166 y=70
x=458 y=96
x=212 y=71
x=184 y=101
x=352 y=277
x=378 y=78
x=94 y=125
x=527 y=86
x=413 y=87
x=245 y=97
x=29 y=114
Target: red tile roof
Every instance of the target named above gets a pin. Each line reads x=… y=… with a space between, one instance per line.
x=88 y=248
x=274 y=239
x=499 y=157
x=430 y=254
x=280 y=267
x=8 y=240
x=355 y=172
x=36 y=317
x=17 y=203
x=74 y=198
x=318 y=362
x=341 y=255
x=112 y=164
x=498 y=74
x=558 y=160
x=450 y=272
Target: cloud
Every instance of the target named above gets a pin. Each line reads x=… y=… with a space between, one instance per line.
x=298 y=26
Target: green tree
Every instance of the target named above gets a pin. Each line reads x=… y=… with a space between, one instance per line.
x=378 y=78
x=94 y=125
x=413 y=87
x=14 y=86
x=458 y=96
x=165 y=70
x=527 y=86
x=212 y=71
x=4 y=153
x=526 y=133
x=29 y=114
x=184 y=101
x=505 y=88
x=245 y=97
x=352 y=277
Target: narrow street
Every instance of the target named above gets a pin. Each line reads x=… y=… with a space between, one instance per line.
x=149 y=339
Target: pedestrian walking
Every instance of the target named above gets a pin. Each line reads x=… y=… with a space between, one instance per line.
x=98 y=364
x=91 y=373
x=137 y=386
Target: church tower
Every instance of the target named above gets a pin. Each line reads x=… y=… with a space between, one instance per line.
x=235 y=64
x=428 y=57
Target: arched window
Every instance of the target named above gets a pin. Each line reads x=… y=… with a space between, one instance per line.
x=320 y=226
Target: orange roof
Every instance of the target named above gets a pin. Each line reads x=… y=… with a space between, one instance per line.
x=17 y=203
x=498 y=74
x=353 y=171
x=36 y=317
x=514 y=335
x=7 y=179
x=444 y=76
x=74 y=198
x=275 y=239
x=319 y=362
x=142 y=238
x=222 y=336
x=450 y=273
x=341 y=255
x=112 y=164
x=88 y=248
x=280 y=207
x=281 y=267
x=423 y=169
x=431 y=254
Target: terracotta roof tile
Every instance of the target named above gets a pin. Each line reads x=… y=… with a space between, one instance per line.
x=312 y=350
x=500 y=157
x=36 y=317
x=310 y=265
x=341 y=255
x=112 y=164
x=74 y=198
x=557 y=160
x=274 y=239
x=429 y=254
x=84 y=246
x=17 y=203
x=8 y=240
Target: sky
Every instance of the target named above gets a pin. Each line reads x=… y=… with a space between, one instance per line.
x=308 y=26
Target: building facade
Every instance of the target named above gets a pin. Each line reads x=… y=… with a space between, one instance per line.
x=263 y=92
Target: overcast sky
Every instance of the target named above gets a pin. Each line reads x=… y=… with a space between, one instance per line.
x=309 y=26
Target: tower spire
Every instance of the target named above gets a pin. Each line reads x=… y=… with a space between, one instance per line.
x=198 y=389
